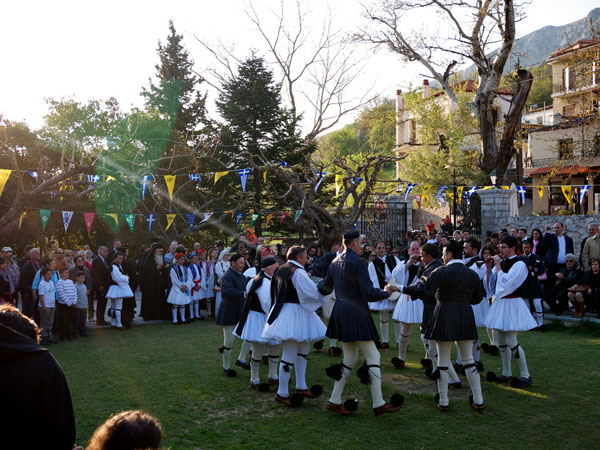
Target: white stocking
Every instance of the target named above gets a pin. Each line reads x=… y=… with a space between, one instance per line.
x=443 y=348
x=539 y=311
x=174 y=312
x=227 y=344
x=405 y=329
x=288 y=357
x=350 y=358
x=301 y=363
x=273 y=360
x=255 y=359
x=465 y=349
x=244 y=351
x=397 y=331
x=384 y=324
x=517 y=352
x=182 y=313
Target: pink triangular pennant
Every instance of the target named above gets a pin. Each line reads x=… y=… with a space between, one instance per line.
x=89 y=219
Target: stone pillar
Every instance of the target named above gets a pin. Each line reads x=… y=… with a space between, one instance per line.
x=495 y=207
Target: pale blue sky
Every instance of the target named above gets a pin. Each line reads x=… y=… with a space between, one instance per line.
x=87 y=49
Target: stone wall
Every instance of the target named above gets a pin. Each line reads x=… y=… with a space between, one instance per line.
x=421 y=217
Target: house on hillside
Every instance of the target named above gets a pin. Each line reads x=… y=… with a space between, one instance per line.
x=406 y=125
x=568 y=150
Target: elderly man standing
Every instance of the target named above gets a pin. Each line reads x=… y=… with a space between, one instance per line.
x=30 y=268
x=100 y=274
x=590 y=247
x=351 y=323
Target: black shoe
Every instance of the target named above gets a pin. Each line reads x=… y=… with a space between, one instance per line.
x=476 y=406
x=385 y=346
x=398 y=363
x=455 y=385
x=230 y=373
x=242 y=364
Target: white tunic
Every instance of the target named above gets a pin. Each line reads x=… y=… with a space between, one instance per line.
x=255 y=323
x=510 y=314
x=121 y=289
x=481 y=309
x=208 y=272
x=407 y=310
x=386 y=304
x=198 y=280
x=176 y=296
x=299 y=321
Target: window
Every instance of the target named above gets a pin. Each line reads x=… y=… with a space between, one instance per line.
x=540 y=120
x=569 y=110
x=565 y=148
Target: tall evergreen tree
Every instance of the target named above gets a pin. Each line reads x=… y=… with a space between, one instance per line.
x=256 y=123
x=176 y=91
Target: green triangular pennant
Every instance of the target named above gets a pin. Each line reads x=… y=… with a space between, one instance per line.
x=45 y=215
x=254 y=219
x=298 y=214
x=130 y=218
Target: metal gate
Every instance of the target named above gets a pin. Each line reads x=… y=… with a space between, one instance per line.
x=470 y=210
x=384 y=221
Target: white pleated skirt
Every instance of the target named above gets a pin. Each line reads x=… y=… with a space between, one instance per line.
x=197 y=295
x=383 y=305
x=176 y=297
x=510 y=314
x=118 y=292
x=410 y=311
x=253 y=329
x=480 y=311
x=294 y=323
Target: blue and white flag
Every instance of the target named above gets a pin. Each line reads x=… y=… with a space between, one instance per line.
x=244 y=177
x=191 y=219
x=33 y=174
x=409 y=188
x=150 y=218
x=440 y=196
x=321 y=178
x=522 y=190
x=93 y=178
x=356 y=180
x=67 y=216
x=471 y=191
x=582 y=192
x=207 y=216
x=284 y=164
x=195 y=176
x=144 y=183
x=238 y=218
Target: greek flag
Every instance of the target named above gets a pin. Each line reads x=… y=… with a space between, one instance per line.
x=195 y=177
x=244 y=177
x=522 y=190
x=409 y=188
x=583 y=190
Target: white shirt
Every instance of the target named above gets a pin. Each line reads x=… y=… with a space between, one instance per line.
x=562 y=250
x=46 y=288
x=263 y=292
x=507 y=283
x=388 y=273
x=308 y=294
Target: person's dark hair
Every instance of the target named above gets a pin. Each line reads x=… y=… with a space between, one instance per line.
x=115 y=240
x=295 y=251
x=524 y=230
x=489 y=248
x=504 y=230
x=236 y=256
x=28 y=247
x=79 y=273
x=127 y=430
x=510 y=241
x=16 y=320
x=432 y=250
x=455 y=248
x=494 y=236
x=79 y=257
x=64 y=269
x=45 y=270
x=539 y=231
x=465 y=229
x=474 y=243
x=119 y=254
x=46 y=262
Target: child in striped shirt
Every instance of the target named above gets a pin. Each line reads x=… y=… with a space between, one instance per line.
x=67 y=299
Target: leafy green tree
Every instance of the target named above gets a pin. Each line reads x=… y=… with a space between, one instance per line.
x=541 y=88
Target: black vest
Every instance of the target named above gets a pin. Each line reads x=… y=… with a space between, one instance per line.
x=413 y=271
x=390 y=261
x=506 y=265
x=282 y=289
x=113 y=282
x=473 y=261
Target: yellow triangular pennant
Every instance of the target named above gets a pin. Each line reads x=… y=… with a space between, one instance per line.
x=4 y=174
x=219 y=175
x=269 y=217
x=505 y=187
x=170 y=180
x=566 y=190
x=170 y=219
x=485 y=188
x=540 y=190
x=109 y=178
x=265 y=176
x=113 y=217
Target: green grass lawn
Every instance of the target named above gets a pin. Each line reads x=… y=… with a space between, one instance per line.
x=174 y=373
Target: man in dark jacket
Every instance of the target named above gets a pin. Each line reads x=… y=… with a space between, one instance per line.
x=233 y=288
x=533 y=289
x=100 y=278
x=129 y=303
x=558 y=245
x=36 y=407
x=351 y=323
x=28 y=272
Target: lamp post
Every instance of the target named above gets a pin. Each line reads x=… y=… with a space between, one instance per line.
x=494 y=177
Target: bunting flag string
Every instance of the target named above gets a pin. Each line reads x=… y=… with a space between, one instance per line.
x=89 y=219
x=150 y=219
x=170 y=181
x=195 y=177
x=206 y=217
x=170 y=219
x=540 y=190
x=339 y=183
x=244 y=178
x=321 y=176
x=93 y=178
x=522 y=190
x=130 y=219
x=191 y=218
x=21 y=219
x=238 y=218
x=566 y=190
x=4 y=175
x=144 y=183
x=583 y=190
x=219 y=175
x=67 y=216
x=459 y=192
x=45 y=215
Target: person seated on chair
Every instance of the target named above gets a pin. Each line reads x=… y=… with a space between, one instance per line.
x=557 y=297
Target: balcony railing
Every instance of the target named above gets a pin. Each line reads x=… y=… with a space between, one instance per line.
x=544 y=162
